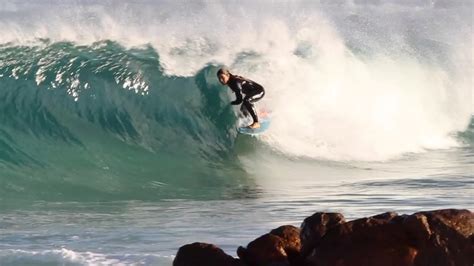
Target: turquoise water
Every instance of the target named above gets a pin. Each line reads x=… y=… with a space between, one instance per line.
x=118 y=145
x=150 y=232
x=117 y=139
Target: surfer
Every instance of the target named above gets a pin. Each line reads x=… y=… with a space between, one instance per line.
x=240 y=85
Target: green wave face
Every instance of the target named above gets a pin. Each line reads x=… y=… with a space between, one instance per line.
x=103 y=122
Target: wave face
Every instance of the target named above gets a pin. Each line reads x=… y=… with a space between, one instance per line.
x=108 y=115
x=117 y=100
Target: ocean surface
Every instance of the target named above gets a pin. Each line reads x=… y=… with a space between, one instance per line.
x=118 y=145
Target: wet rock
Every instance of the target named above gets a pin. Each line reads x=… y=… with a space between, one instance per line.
x=314 y=228
x=280 y=247
x=264 y=251
x=202 y=254
x=434 y=238
x=451 y=241
x=431 y=238
x=291 y=239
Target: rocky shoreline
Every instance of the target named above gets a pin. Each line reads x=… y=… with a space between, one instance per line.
x=431 y=238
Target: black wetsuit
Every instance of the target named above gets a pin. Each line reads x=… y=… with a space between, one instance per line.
x=252 y=90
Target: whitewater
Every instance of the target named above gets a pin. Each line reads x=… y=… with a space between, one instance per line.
x=118 y=144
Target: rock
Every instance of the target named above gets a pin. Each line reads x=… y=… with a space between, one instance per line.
x=452 y=238
x=291 y=239
x=434 y=238
x=280 y=247
x=367 y=241
x=314 y=227
x=202 y=254
x=431 y=238
x=264 y=251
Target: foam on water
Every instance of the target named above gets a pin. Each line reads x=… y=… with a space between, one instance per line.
x=64 y=256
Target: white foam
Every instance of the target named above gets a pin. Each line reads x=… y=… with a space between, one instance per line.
x=68 y=256
x=55 y=256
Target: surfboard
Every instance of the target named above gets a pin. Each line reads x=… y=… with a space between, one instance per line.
x=264 y=125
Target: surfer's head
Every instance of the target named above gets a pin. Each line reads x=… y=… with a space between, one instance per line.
x=223 y=75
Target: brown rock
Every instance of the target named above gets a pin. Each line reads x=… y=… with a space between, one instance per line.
x=422 y=239
x=291 y=238
x=461 y=221
x=202 y=254
x=452 y=239
x=367 y=241
x=417 y=225
x=280 y=247
x=314 y=227
x=266 y=250
x=432 y=238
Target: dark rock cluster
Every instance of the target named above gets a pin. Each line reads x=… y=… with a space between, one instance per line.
x=431 y=238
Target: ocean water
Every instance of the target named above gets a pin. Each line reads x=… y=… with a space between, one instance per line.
x=118 y=145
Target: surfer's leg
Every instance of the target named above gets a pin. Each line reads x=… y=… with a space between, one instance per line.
x=243 y=110
x=250 y=109
x=256 y=97
x=248 y=103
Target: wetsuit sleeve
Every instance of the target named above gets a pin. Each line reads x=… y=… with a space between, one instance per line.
x=237 y=90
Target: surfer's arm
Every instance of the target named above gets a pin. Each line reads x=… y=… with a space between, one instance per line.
x=238 y=100
x=238 y=94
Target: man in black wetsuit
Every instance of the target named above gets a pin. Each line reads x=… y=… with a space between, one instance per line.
x=252 y=90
